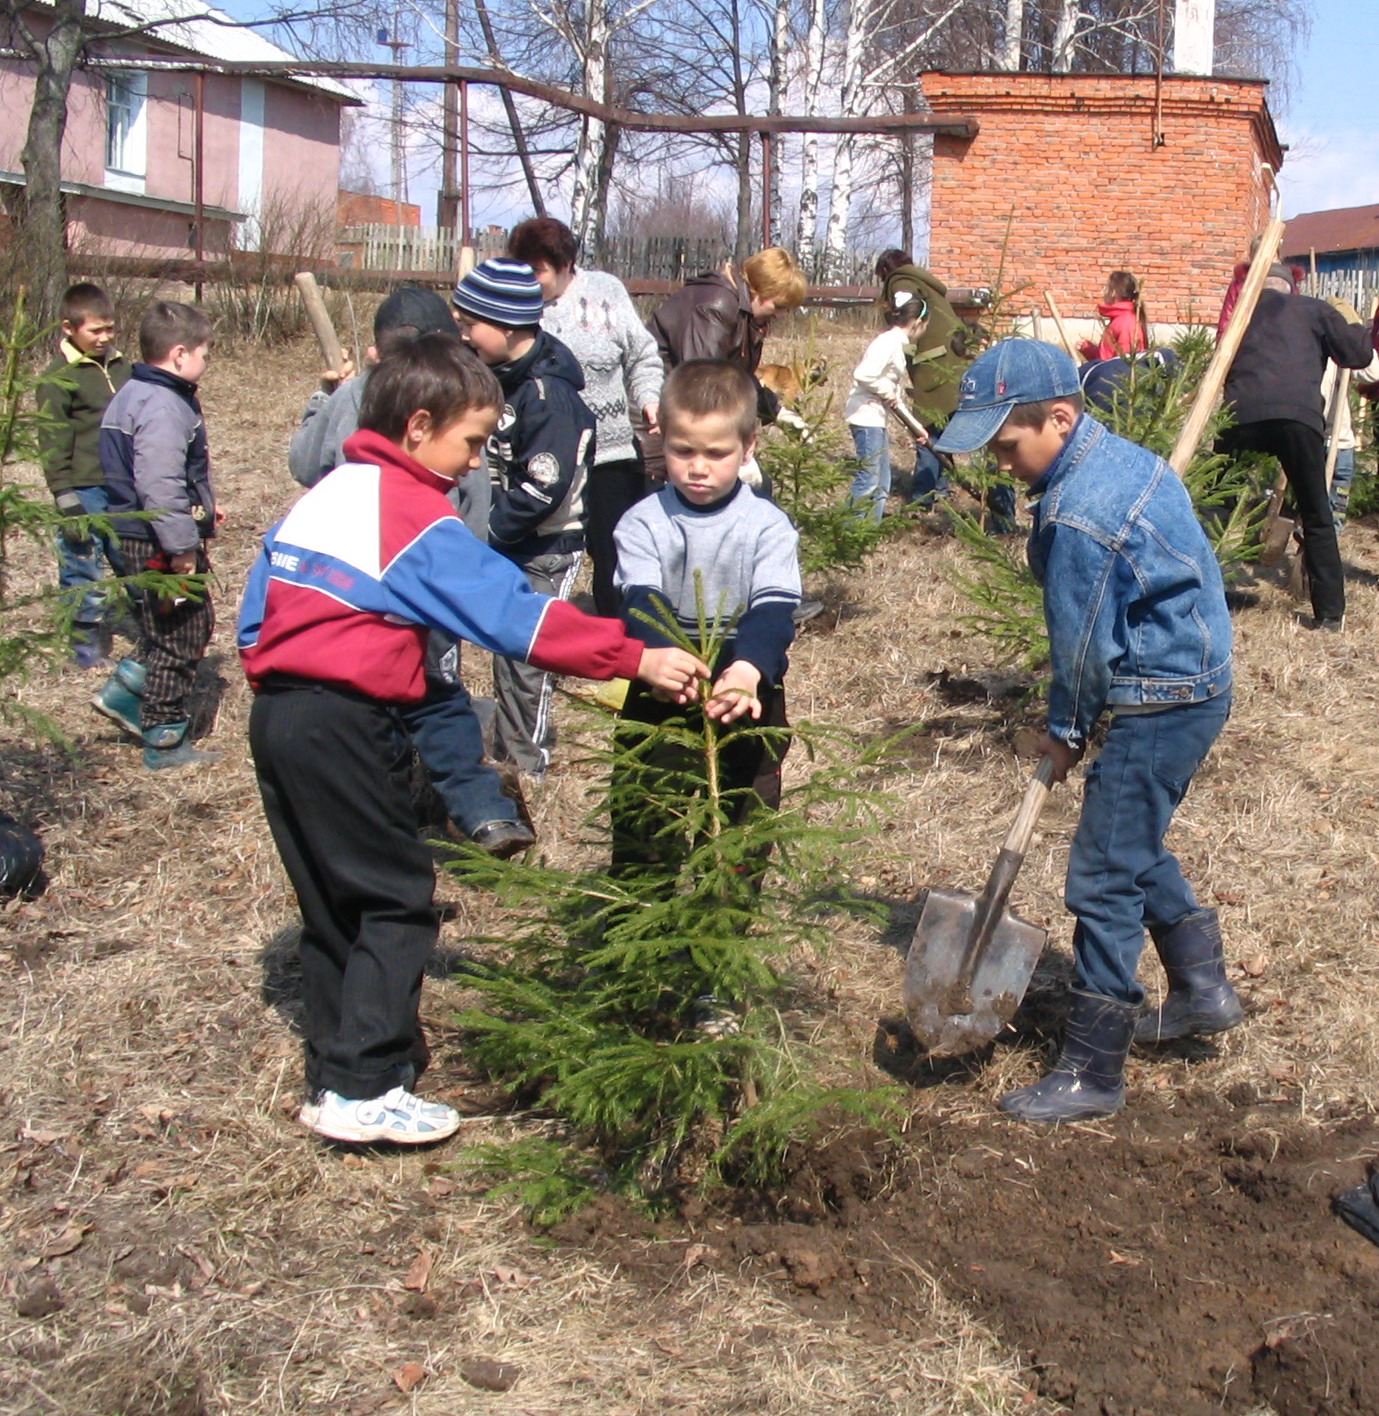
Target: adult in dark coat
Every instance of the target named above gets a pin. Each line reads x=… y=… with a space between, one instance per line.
x=1274 y=391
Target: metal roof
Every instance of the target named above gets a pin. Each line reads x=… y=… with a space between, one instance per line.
x=207 y=32
x=1344 y=229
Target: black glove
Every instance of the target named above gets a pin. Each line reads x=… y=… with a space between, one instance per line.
x=73 y=528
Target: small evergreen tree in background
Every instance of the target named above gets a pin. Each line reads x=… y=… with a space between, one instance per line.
x=1230 y=494
x=811 y=475
x=646 y=1010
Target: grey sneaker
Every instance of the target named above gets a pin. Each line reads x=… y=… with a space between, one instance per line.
x=396 y=1116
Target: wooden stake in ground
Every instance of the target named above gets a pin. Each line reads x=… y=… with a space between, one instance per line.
x=1062 y=328
x=320 y=319
x=1215 y=378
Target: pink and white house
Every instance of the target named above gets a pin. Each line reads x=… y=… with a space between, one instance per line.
x=129 y=154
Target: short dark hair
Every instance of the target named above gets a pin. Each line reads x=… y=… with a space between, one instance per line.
x=1035 y=415
x=166 y=324
x=706 y=386
x=888 y=262
x=85 y=301
x=543 y=238
x=425 y=371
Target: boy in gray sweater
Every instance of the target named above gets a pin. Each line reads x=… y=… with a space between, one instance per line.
x=746 y=553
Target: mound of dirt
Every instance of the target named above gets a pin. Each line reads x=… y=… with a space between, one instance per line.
x=1179 y=1260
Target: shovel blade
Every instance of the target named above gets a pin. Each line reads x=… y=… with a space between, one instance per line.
x=947 y=1018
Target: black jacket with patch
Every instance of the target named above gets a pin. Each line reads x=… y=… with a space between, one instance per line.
x=540 y=454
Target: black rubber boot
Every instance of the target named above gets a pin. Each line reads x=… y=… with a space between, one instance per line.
x=1088 y=1079
x=1200 y=1001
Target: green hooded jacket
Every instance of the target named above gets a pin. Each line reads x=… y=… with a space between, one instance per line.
x=937 y=359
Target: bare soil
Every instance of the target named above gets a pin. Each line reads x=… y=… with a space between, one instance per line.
x=171 y=1244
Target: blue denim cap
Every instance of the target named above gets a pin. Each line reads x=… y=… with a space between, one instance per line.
x=1013 y=371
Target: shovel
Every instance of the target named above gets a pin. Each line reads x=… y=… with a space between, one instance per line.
x=970 y=960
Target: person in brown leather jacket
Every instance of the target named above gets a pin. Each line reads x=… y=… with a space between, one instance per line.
x=725 y=314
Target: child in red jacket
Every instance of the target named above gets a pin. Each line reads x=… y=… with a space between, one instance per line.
x=1120 y=307
x=332 y=634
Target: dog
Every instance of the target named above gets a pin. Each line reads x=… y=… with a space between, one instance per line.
x=789 y=381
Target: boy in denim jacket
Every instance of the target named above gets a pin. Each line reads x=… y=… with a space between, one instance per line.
x=1137 y=621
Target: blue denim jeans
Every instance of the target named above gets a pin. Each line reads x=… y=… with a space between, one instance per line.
x=1122 y=880
x=1340 y=485
x=872 y=484
x=931 y=481
x=450 y=742
x=86 y=565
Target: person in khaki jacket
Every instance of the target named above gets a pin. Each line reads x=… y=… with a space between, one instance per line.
x=73 y=393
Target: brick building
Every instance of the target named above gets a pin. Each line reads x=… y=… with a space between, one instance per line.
x=1095 y=172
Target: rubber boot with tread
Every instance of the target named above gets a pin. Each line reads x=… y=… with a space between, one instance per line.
x=1088 y=1080
x=1200 y=1000
x=168 y=746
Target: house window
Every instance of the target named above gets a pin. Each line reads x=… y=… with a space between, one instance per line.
x=126 y=130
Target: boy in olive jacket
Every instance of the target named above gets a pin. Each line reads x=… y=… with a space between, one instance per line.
x=72 y=393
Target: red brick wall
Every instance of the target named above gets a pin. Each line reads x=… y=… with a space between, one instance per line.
x=1073 y=157
x=359 y=209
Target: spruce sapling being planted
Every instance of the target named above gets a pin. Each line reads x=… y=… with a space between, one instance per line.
x=647 y=1006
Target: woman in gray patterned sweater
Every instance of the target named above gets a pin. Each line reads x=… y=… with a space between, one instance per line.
x=592 y=313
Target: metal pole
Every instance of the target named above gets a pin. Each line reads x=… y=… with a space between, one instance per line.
x=199 y=179
x=445 y=203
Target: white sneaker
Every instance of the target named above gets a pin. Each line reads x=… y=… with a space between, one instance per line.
x=396 y=1116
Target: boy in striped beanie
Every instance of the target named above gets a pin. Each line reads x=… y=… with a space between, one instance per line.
x=539 y=459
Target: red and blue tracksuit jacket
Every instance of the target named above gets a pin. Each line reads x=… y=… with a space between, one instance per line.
x=353 y=576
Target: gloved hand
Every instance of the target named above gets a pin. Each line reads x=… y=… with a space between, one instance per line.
x=1345 y=309
x=788 y=418
x=72 y=528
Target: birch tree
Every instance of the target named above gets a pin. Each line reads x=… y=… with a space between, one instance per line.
x=806 y=227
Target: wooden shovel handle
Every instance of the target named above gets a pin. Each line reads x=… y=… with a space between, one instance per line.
x=1214 y=380
x=320 y=319
x=1062 y=328
x=1027 y=818
x=991 y=902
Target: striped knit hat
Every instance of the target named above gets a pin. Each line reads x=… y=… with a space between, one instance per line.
x=500 y=292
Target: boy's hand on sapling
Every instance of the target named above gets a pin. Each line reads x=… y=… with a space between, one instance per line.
x=735 y=694
x=672 y=674
x=183 y=563
x=1064 y=758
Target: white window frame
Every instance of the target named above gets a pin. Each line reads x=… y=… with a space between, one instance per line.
x=126 y=141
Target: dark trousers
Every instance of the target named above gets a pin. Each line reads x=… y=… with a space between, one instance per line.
x=172 y=638
x=1122 y=879
x=334 y=771
x=612 y=488
x=1302 y=453
x=748 y=764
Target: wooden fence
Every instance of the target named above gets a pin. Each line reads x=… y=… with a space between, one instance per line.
x=1360 y=287
x=669 y=258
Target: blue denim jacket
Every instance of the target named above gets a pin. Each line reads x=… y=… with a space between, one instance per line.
x=1133 y=596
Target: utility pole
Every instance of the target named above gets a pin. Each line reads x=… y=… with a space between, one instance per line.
x=399 y=166
x=447 y=203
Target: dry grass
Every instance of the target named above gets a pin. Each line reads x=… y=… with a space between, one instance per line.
x=218 y=1260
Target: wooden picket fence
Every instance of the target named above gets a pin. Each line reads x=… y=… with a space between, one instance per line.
x=669 y=258
x=1360 y=287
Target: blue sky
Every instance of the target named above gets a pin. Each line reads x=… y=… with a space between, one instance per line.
x=1329 y=121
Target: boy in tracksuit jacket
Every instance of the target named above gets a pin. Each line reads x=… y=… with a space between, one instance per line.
x=155 y=461
x=1137 y=621
x=73 y=393
x=539 y=457
x=332 y=635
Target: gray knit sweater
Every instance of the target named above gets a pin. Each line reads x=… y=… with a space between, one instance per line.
x=597 y=320
x=747 y=554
